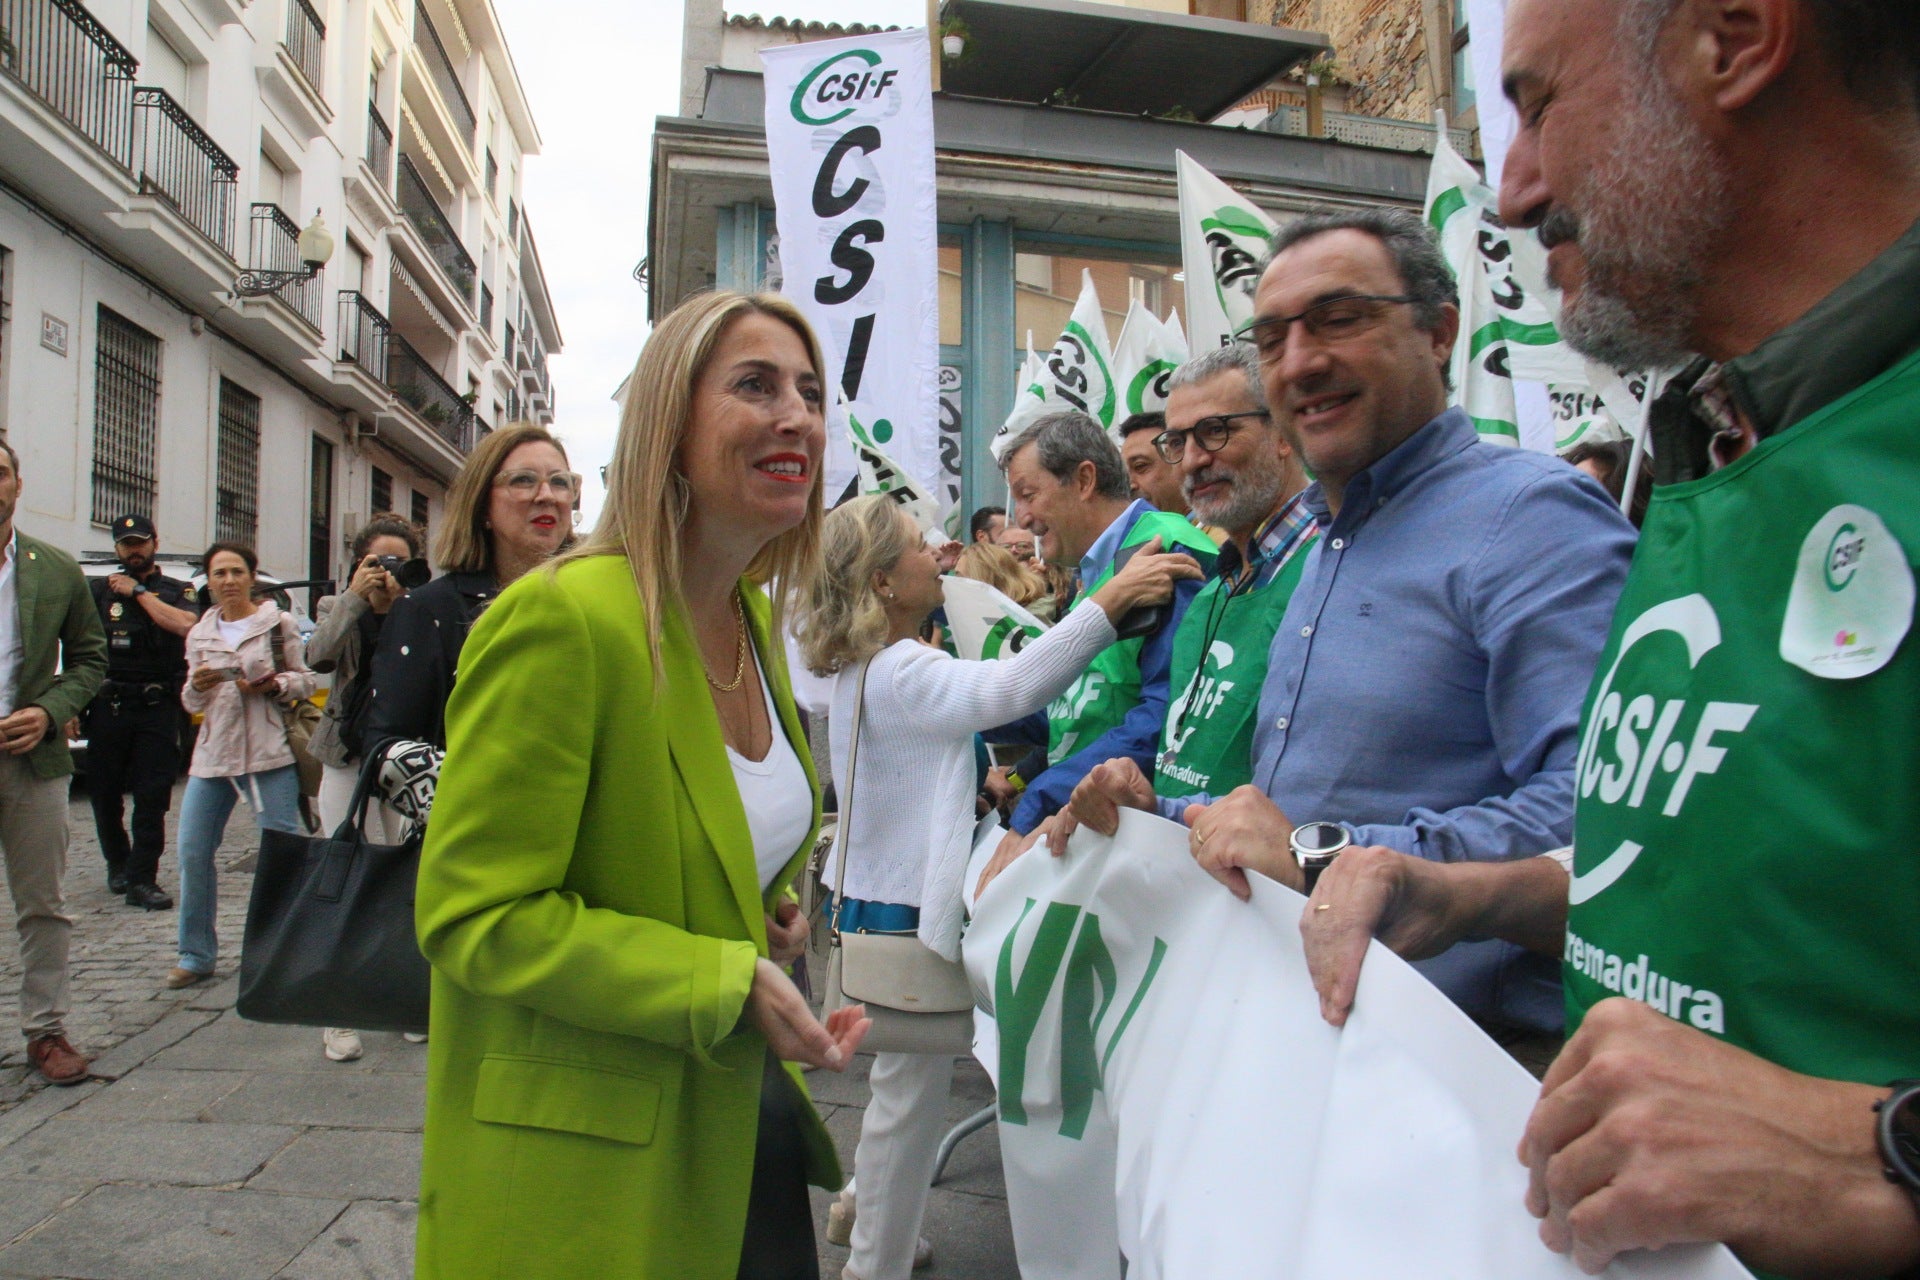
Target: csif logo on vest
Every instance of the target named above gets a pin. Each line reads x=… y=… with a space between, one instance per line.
x=1851 y=603
x=1844 y=550
x=1652 y=738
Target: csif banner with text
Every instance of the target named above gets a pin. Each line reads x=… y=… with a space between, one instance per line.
x=1169 y=1094
x=850 y=146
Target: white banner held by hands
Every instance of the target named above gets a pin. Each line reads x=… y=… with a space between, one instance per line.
x=1169 y=1091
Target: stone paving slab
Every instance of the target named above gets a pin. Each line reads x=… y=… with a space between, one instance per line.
x=172 y=1233
x=25 y=1205
x=343 y=1100
x=155 y=1093
x=371 y=1241
x=157 y=1151
x=361 y=1164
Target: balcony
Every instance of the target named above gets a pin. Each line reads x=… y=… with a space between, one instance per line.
x=58 y=52
x=306 y=41
x=436 y=232
x=177 y=161
x=273 y=244
x=424 y=391
x=379 y=145
x=441 y=71
x=363 y=335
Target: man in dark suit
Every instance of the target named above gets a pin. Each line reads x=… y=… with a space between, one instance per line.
x=53 y=656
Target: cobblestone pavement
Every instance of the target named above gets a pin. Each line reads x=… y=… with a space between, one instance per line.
x=211 y=1148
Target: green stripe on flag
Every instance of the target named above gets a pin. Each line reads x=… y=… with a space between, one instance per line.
x=1485 y=336
x=1495 y=427
x=1531 y=335
x=1445 y=205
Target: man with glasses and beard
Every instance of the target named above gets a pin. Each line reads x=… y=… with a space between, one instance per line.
x=1423 y=690
x=1238 y=474
x=133 y=724
x=1735 y=183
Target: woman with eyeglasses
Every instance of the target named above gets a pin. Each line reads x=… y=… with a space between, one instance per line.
x=604 y=895
x=510 y=508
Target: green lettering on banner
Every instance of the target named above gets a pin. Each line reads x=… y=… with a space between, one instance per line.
x=1091 y=962
x=868 y=56
x=1139 y=996
x=1017 y=1005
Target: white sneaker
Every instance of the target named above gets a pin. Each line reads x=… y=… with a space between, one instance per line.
x=840 y=1220
x=342 y=1044
x=414 y=1037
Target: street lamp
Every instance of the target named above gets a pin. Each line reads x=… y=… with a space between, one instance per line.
x=315 y=247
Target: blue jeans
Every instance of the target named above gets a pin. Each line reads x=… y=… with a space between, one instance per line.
x=275 y=799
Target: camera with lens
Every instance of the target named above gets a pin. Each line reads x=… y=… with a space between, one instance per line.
x=408 y=573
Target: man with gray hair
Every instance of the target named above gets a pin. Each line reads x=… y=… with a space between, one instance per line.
x=1070 y=489
x=1424 y=688
x=1239 y=474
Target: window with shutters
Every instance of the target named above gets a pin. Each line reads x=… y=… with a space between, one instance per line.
x=320 y=519
x=126 y=418
x=382 y=491
x=420 y=509
x=236 y=482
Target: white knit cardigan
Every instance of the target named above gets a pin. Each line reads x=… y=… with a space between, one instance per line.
x=911 y=819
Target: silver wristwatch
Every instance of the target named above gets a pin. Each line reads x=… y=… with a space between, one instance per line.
x=1315 y=845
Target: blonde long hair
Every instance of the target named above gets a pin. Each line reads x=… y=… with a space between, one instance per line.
x=842 y=620
x=995 y=566
x=648 y=497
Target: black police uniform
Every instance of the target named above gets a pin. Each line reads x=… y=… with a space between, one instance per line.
x=134 y=726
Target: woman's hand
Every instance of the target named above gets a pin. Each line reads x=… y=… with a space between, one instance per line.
x=375 y=585
x=267 y=685
x=787 y=931
x=1012 y=845
x=1148 y=578
x=781 y=1014
x=204 y=678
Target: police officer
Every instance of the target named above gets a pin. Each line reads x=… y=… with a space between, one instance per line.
x=133 y=726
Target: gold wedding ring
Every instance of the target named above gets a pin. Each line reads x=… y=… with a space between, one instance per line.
x=1321 y=906
x=1199 y=837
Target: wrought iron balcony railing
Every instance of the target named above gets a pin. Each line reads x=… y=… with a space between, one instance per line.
x=363 y=334
x=445 y=78
x=273 y=244
x=379 y=146
x=179 y=161
x=61 y=54
x=306 y=41
x=417 y=202
x=424 y=391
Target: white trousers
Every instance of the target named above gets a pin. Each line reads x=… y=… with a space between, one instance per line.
x=893 y=1165
x=383 y=824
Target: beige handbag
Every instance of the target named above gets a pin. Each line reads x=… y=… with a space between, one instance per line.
x=920 y=1002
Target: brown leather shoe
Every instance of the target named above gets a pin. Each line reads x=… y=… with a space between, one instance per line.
x=178 y=978
x=57 y=1061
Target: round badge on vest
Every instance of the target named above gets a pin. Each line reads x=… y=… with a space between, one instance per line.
x=1852 y=598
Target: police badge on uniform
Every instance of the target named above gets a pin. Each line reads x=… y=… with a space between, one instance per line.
x=116 y=611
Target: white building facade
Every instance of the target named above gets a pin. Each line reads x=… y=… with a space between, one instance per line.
x=151 y=151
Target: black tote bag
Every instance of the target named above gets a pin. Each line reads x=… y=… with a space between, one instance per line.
x=329 y=939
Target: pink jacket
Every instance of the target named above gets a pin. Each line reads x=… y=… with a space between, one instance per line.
x=242 y=732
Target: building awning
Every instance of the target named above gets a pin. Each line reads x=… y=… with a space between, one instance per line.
x=1104 y=57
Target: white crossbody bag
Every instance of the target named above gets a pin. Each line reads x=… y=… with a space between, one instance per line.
x=919 y=1001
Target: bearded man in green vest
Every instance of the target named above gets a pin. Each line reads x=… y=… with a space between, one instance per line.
x=1239 y=474
x=1737 y=181
x=1070 y=489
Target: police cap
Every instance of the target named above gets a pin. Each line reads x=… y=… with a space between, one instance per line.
x=132 y=529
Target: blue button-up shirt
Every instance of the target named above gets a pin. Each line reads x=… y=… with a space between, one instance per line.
x=1138 y=736
x=1426 y=683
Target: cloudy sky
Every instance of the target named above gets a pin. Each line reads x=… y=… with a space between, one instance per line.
x=596 y=75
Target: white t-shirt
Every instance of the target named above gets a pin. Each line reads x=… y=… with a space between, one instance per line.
x=232 y=631
x=775 y=794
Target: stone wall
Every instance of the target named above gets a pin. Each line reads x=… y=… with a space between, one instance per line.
x=1378 y=45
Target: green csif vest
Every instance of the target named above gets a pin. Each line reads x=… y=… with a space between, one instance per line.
x=1207 y=744
x=1749 y=774
x=1110 y=686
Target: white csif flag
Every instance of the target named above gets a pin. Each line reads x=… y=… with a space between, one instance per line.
x=850 y=149
x=1143 y=359
x=1223 y=236
x=1076 y=374
x=983 y=622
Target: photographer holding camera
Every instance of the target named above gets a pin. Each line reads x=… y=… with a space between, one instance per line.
x=386 y=564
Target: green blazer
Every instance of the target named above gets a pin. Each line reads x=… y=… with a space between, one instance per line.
x=589 y=900
x=66 y=647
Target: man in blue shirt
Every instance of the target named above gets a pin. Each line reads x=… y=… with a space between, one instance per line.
x=1425 y=685
x=1070 y=489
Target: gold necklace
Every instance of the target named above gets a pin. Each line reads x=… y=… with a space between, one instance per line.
x=740 y=658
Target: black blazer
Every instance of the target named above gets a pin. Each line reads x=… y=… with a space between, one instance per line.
x=418 y=654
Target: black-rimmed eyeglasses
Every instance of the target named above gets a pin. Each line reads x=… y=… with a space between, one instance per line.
x=1330 y=320
x=1210 y=434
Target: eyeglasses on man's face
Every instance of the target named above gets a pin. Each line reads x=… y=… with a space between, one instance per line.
x=1331 y=320
x=1210 y=434
x=525 y=483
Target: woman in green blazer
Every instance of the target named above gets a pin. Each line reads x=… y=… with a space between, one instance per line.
x=604 y=903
